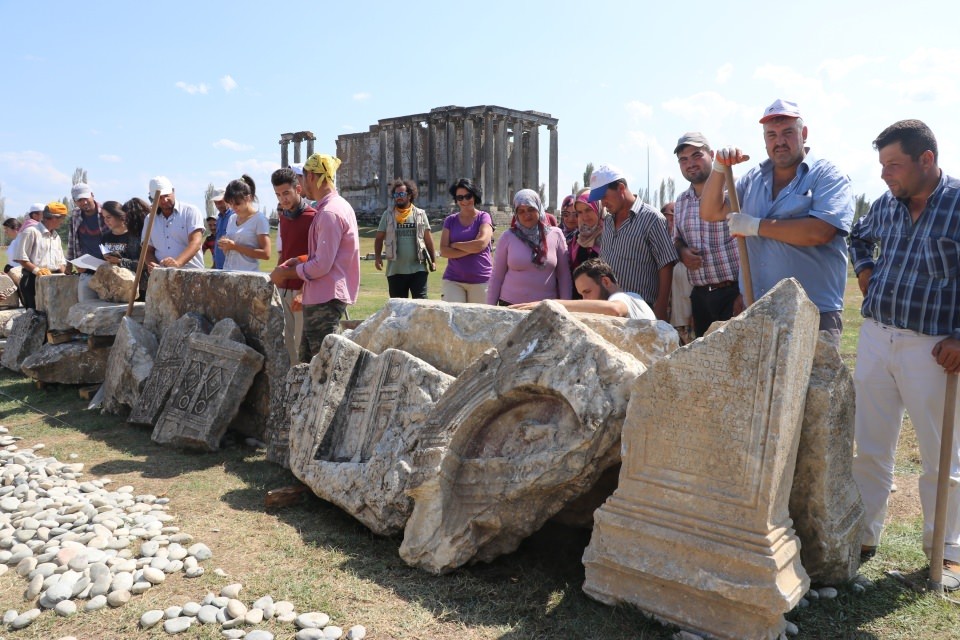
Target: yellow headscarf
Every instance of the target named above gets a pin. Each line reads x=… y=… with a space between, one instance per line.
x=324 y=166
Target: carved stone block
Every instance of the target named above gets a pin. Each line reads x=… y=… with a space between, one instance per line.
x=100 y=318
x=67 y=363
x=27 y=335
x=278 y=446
x=55 y=295
x=128 y=366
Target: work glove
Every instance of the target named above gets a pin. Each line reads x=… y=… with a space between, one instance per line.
x=743 y=225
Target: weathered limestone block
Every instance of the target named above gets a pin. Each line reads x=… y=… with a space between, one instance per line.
x=6 y=320
x=67 y=363
x=27 y=335
x=252 y=301
x=213 y=380
x=825 y=503
x=101 y=318
x=359 y=420
x=451 y=336
x=228 y=330
x=55 y=295
x=9 y=292
x=278 y=447
x=698 y=531
x=112 y=283
x=166 y=367
x=527 y=428
x=128 y=367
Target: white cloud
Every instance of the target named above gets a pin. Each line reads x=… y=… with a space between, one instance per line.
x=705 y=105
x=360 y=97
x=347 y=127
x=254 y=166
x=724 y=73
x=32 y=166
x=224 y=143
x=109 y=157
x=639 y=109
x=838 y=68
x=228 y=83
x=932 y=62
x=192 y=88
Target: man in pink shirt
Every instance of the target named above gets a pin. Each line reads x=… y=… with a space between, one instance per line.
x=331 y=268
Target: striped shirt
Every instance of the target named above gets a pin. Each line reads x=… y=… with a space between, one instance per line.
x=638 y=249
x=916 y=277
x=717 y=247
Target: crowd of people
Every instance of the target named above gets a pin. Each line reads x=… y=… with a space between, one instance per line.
x=609 y=253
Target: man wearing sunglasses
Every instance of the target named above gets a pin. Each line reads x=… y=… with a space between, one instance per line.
x=405 y=232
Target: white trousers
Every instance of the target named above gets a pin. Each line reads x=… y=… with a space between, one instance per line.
x=292 y=325
x=895 y=372
x=464 y=292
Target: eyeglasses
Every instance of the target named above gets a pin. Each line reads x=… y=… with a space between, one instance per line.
x=400 y=194
x=466 y=196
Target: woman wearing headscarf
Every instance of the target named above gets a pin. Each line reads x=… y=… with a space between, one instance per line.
x=568 y=217
x=531 y=262
x=585 y=243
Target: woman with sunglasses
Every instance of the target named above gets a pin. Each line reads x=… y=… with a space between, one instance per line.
x=465 y=242
x=404 y=232
x=532 y=262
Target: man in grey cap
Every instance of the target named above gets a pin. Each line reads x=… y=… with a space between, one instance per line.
x=706 y=248
x=87 y=228
x=223 y=217
x=796 y=210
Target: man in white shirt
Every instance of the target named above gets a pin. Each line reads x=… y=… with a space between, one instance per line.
x=596 y=282
x=177 y=234
x=40 y=251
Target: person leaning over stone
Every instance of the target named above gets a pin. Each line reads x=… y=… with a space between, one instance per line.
x=706 y=249
x=906 y=254
x=296 y=216
x=635 y=241
x=40 y=251
x=405 y=233
x=177 y=234
x=597 y=285
x=796 y=210
x=87 y=228
x=331 y=268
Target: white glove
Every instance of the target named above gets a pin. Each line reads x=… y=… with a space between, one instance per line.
x=743 y=225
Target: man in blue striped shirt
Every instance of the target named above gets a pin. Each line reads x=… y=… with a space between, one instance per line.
x=910 y=338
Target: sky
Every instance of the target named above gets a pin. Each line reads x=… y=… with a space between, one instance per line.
x=201 y=91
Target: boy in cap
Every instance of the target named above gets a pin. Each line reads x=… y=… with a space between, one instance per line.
x=40 y=252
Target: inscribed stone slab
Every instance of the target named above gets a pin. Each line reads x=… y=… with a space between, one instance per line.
x=55 y=295
x=27 y=335
x=214 y=377
x=251 y=300
x=359 y=418
x=67 y=363
x=101 y=318
x=698 y=531
x=825 y=503
x=166 y=367
x=128 y=367
x=278 y=447
x=526 y=429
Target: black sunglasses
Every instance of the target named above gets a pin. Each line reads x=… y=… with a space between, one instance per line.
x=467 y=196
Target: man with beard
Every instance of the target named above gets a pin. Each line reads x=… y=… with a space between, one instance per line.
x=177 y=234
x=87 y=228
x=706 y=249
x=796 y=211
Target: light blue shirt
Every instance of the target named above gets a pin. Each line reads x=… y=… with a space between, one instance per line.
x=818 y=190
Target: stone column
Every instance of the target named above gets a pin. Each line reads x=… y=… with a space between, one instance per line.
x=397 y=153
x=414 y=147
x=310 y=141
x=382 y=190
x=518 y=154
x=533 y=157
x=468 y=148
x=554 y=159
x=432 y=162
x=488 y=164
x=285 y=139
x=296 y=150
x=451 y=136
x=503 y=198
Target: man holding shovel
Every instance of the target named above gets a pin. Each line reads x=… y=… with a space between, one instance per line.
x=797 y=208
x=910 y=336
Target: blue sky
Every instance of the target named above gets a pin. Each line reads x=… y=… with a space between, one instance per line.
x=201 y=91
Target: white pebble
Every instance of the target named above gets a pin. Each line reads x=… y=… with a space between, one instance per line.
x=95 y=603
x=66 y=608
x=24 y=619
x=312 y=620
x=177 y=625
x=259 y=634
x=792 y=629
x=332 y=632
x=231 y=590
x=357 y=632
x=151 y=618
x=827 y=593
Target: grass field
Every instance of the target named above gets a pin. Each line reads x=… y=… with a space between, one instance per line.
x=321 y=559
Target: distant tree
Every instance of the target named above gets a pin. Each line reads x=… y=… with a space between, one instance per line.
x=666 y=192
x=79 y=175
x=587 y=173
x=644 y=194
x=576 y=187
x=860 y=206
x=211 y=209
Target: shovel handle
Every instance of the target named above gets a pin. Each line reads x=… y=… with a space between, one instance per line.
x=741 y=241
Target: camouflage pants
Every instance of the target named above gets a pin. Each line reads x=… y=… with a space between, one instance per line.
x=319 y=320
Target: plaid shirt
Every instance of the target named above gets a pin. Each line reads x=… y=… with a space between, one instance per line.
x=916 y=278
x=717 y=248
x=73 y=239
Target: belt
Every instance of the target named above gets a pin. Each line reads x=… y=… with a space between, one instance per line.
x=717 y=285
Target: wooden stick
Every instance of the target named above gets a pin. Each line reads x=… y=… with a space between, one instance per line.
x=943 y=481
x=143 y=252
x=741 y=241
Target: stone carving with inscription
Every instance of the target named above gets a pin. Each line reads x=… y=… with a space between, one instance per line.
x=128 y=367
x=698 y=531
x=524 y=430
x=278 y=447
x=55 y=295
x=67 y=363
x=27 y=335
x=99 y=318
x=214 y=377
x=458 y=334
x=359 y=420
x=825 y=503
x=166 y=367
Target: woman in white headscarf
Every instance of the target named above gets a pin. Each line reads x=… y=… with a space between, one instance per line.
x=531 y=262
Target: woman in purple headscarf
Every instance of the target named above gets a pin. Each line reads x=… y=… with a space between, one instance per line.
x=531 y=261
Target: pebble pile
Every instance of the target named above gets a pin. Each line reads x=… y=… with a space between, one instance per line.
x=77 y=540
